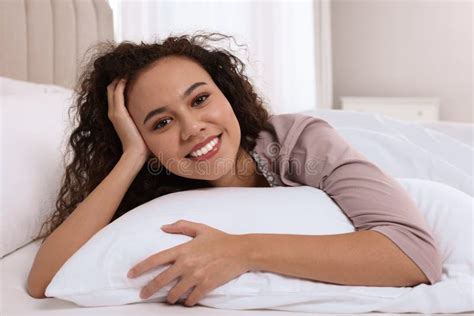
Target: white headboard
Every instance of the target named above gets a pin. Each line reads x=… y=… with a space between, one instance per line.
x=44 y=41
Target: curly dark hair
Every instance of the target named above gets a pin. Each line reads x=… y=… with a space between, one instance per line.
x=94 y=143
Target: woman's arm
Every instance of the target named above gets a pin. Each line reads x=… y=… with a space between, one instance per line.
x=91 y=215
x=359 y=258
x=96 y=211
x=373 y=201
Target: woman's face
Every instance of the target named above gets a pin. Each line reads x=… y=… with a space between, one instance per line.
x=176 y=105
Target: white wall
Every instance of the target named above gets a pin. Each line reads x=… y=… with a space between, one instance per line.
x=405 y=48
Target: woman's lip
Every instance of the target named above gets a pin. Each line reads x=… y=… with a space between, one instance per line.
x=204 y=143
x=209 y=154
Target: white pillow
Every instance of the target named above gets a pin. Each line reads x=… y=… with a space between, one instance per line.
x=9 y=86
x=32 y=142
x=96 y=274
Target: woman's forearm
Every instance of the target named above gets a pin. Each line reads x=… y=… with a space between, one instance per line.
x=94 y=213
x=360 y=258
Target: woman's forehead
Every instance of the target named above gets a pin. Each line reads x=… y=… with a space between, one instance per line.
x=176 y=67
x=171 y=74
x=166 y=82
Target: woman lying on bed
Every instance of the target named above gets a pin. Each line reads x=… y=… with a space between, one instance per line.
x=179 y=115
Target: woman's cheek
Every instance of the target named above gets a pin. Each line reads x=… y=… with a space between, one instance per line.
x=219 y=109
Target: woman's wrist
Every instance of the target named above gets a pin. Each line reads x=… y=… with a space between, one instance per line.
x=250 y=251
x=135 y=159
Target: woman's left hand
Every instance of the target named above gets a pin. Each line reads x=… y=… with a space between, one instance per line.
x=211 y=259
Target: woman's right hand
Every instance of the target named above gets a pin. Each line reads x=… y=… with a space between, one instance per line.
x=132 y=140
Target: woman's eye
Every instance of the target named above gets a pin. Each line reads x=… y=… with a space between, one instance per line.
x=159 y=124
x=200 y=98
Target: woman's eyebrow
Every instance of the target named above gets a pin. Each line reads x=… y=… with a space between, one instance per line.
x=165 y=108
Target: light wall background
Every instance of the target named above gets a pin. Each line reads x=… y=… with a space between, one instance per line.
x=400 y=48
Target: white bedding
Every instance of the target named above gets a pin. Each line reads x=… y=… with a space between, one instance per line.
x=456 y=155
x=16 y=301
x=463 y=132
x=406 y=149
x=96 y=274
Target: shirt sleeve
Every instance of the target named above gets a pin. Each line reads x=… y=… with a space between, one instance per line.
x=370 y=198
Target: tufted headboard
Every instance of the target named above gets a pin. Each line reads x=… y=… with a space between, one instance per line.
x=44 y=41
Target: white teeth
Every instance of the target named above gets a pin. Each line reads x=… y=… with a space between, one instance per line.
x=204 y=150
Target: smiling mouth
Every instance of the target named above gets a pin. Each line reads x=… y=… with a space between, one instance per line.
x=189 y=155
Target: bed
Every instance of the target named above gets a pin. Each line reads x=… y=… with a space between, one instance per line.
x=38 y=47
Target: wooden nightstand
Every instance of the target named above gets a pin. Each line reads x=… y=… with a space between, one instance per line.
x=410 y=109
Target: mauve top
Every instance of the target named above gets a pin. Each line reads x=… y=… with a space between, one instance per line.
x=308 y=151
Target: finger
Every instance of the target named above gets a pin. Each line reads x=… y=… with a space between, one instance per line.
x=179 y=289
x=112 y=85
x=197 y=294
x=185 y=227
x=118 y=94
x=110 y=95
x=158 y=259
x=160 y=281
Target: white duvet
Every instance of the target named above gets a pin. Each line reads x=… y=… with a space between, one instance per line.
x=406 y=149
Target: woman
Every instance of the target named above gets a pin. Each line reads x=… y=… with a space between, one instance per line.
x=160 y=118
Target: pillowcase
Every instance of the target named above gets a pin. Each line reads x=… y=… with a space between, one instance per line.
x=96 y=274
x=32 y=133
x=9 y=86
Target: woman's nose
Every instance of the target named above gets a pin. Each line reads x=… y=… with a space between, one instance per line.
x=192 y=127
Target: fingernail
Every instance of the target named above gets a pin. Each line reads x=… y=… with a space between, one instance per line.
x=130 y=274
